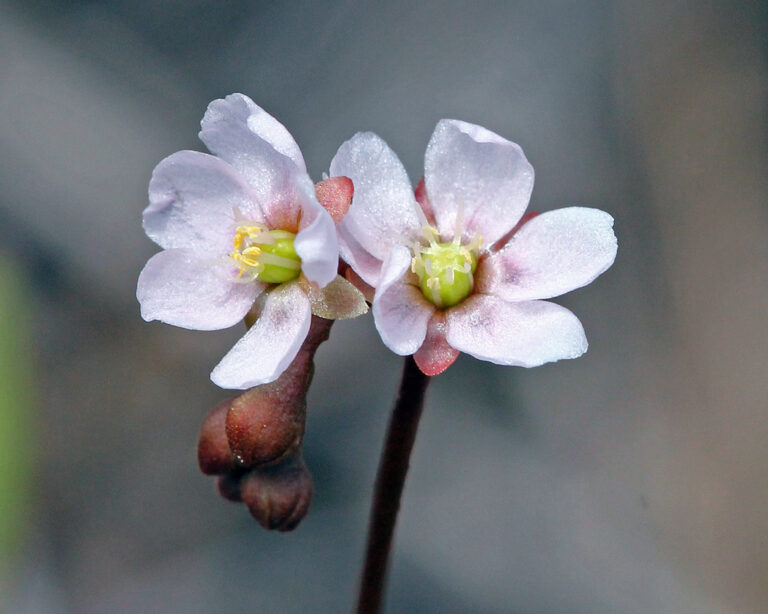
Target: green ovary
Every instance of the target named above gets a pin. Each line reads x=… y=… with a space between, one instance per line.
x=445 y=272
x=267 y=255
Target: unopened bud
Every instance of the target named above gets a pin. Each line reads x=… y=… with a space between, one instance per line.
x=262 y=426
x=278 y=496
x=266 y=423
x=228 y=486
x=213 y=452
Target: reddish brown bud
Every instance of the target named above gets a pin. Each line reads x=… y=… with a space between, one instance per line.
x=213 y=451
x=335 y=195
x=266 y=423
x=263 y=426
x=228 y=486
x=279 y=496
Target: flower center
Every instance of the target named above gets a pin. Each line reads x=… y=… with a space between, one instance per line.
x=445 y=270
x=266 y=255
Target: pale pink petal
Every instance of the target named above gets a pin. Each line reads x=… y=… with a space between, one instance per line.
x=230 y=125
x=366 y=289
x=270 y=345
x=192 y=202
x=524 y=334
x=339 y=300
x=366 y=266
x=400 y=311
x=262 y=151
x=384 y=211
x=469 y=168
x=551 y=254
x=421 y=197
x=435 y=355
x=187 y=288
x=316 y=242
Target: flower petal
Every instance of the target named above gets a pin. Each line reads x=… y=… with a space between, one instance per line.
x=316 y=242
x=367 y=267
x=232 y=127
x=262 y=151
x=435 y=355
x=366 y=289
x=554 y=253
x=471 y=167
x=339 y=300
x=524 y=334
x=192 y=201
x=270 y=345
x=181 y=287
x=400 y=311
x=384 y=211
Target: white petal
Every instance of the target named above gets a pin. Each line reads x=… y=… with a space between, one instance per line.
x=186 y=288
x=192 y=200
x=230 y=124
x=469 y=167
x=400 y=311
x=524 y=334
x=367 y=267
x=268 y=162
x=270 y=345
x=553 y=253
x=316 y=242
x=384 y=211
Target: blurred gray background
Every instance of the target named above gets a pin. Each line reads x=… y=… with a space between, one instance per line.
x=632 y=481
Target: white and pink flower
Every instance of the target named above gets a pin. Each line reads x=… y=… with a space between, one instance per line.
x=456 y=266
x=242 y=231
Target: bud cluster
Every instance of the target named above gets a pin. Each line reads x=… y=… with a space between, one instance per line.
x=252 y=443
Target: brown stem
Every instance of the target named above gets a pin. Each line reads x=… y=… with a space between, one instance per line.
x=390 y=479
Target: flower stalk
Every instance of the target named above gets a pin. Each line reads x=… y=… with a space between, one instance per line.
x=390 y=480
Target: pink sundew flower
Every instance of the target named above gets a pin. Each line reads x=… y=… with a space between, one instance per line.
x=457 y=267
x=242 y=230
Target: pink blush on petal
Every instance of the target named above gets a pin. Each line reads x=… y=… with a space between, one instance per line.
x=421 y=197
x=508 y=237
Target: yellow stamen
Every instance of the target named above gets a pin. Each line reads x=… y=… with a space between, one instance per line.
x=266 y=255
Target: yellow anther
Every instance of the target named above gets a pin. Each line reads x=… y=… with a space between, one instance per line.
x=267 y=255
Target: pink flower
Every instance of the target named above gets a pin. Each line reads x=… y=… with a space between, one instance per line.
x=457 y=271
x=242 y=231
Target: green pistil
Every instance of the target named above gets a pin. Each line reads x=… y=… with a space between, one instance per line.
x=445 y=272
x=269 y=256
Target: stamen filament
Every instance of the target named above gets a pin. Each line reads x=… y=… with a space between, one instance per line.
x=266 y=255
x=280 y=261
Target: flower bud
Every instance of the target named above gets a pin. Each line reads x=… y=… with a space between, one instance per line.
x=278 y=496
x=213 y=452
x=262 y=426
x=228 y=486
x=266 y=423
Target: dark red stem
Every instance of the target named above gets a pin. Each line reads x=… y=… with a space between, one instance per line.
x=393 y=467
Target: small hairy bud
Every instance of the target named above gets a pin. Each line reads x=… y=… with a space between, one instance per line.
x=213 y=452
x=278 y=496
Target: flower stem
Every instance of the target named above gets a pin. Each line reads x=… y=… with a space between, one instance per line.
x=390 y=479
